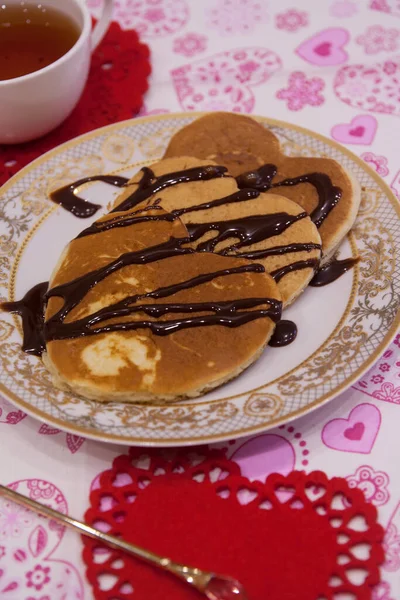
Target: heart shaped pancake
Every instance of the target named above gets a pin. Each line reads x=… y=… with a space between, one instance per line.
x=135 y=316
x=327 y=191
x=265 y=228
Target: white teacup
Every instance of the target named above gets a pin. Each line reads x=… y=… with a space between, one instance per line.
x=34 y=104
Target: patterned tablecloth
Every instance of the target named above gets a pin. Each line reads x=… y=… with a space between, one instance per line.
x=332 y=66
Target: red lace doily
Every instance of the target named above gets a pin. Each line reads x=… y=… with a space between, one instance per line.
x=300 y=537
x=114 y=92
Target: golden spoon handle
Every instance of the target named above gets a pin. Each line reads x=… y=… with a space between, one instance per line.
x=195 y=577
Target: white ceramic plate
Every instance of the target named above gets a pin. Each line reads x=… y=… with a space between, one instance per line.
x=343 y=327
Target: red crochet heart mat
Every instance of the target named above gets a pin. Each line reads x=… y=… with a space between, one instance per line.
x=114 y=92
x=299 y=537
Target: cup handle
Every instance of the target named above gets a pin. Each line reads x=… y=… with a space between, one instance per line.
x=102 y=24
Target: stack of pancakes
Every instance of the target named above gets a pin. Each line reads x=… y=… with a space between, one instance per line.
x=180 y=287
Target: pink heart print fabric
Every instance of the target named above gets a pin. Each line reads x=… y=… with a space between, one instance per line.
x=31 y=568
x=331 y=66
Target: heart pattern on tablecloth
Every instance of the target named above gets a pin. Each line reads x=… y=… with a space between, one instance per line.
x=265 y=454
x=224 y=81
x=27 y=544
x=150 y=18
x=325 y=48
x=386 y=6
x=73 y=442
x=9 y=414
x=373 y=88
x=382 y=382
x=357 y=433
x=47 y=430
x=361 y=130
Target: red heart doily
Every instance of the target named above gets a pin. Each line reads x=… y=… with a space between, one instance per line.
x=114 y=92
x=300 y=537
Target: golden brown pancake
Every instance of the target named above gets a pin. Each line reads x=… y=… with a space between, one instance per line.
x=278 y=233
x=242 y=144
x=170 y=322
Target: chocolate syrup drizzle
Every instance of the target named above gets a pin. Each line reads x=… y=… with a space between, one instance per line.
x=332 y=271
x=150 y=184
x=249 y=230
x=328 y=194
x=31 y=309
x=260 y=179
x=230 y=313
x=83 y=209
x=227 y=314
x=276 y=250
x=233 y=313
x=285 y=333
x=296 y=266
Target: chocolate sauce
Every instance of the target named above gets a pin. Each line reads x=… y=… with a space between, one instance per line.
x=227 y=313
x=137 y=217
x=150 y=184
x=277 y=250
x=332 y=271
x=124 y=221
x=260 y=179
x=74 y=291
x=233 y=313
x=328 y=194
x=239 y=196
x=285 y=333
x=296 y=266
x=31 y=309
x=79 y=207
x=249 y=230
